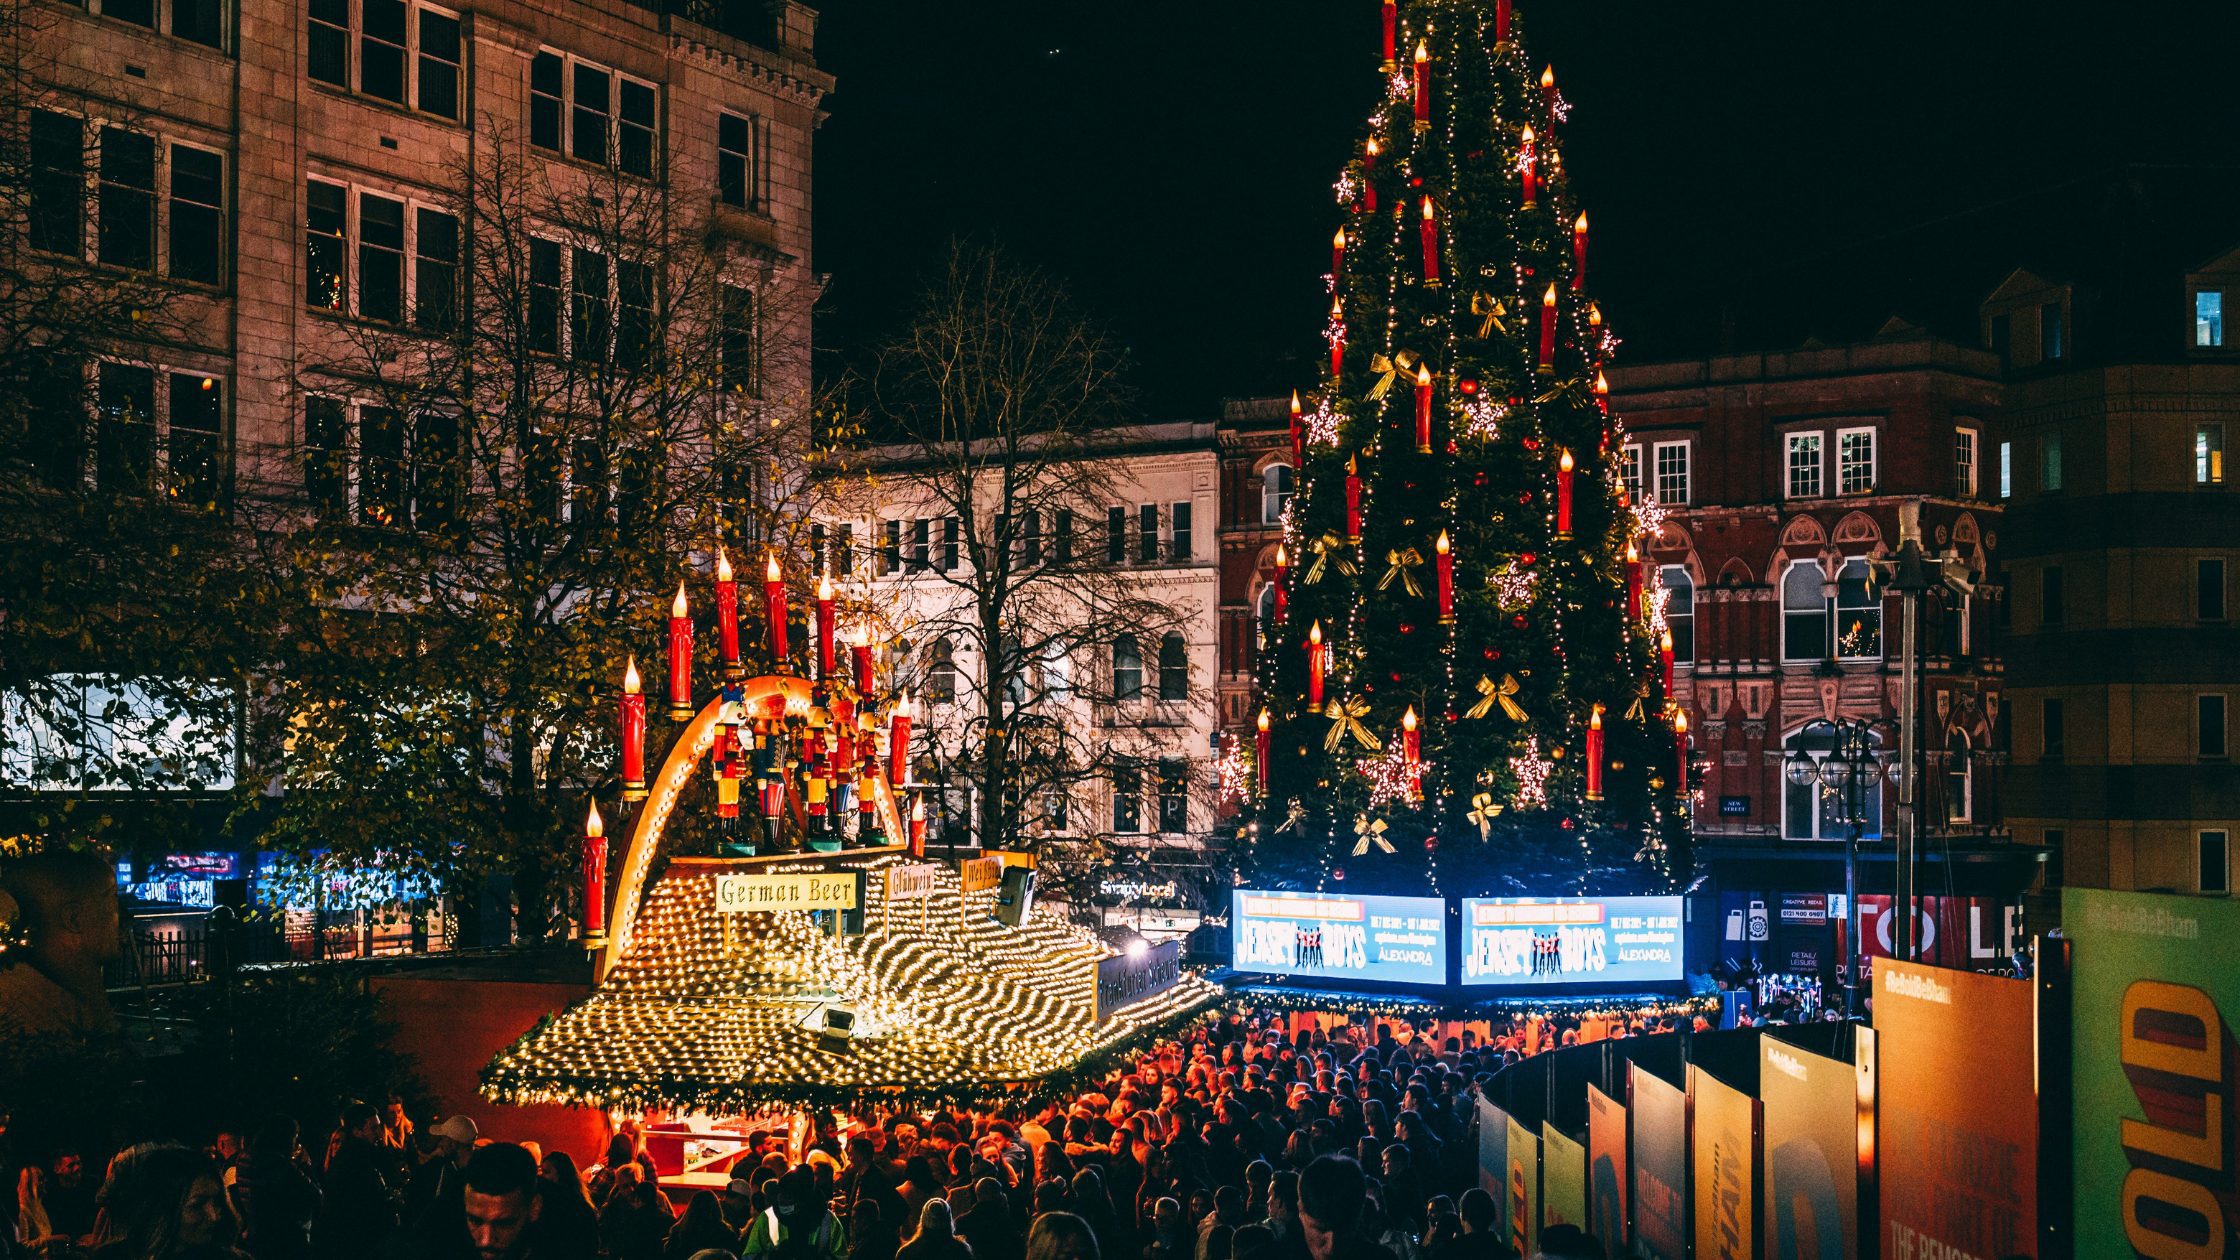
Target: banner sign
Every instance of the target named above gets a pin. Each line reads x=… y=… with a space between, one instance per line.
x=814 y=890
x=1606 y=1172
x=1523 y=1199
x=1393 y=939
x=1810 y=1114
x=979 y=874
x=1959 y=932
x=2153 y=993
x=1726 y=1168
x=1127 y=978
x=1493 y=1162
x=1659 y=1112
x=911 y=881
x=1570 y=940
x=1957 y=1112
x=1563 y=1178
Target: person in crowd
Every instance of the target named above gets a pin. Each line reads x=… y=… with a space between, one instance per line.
x=737 y=1203
x=435 y=1197
x=499 y=1205
x=54 y=1203
x=164 y=1202
x=796 y=1226
x=870 y=1237
x=1061 y=1236
x=1480 y=1239
x=701 y=1228
x=274 y=1195
x=358 y=1213
x=1228 y=1213
x=567 y=1226
x=936 y=1238
x=1568 y=1242
x=1332 y=1196
x=990 y=1226
x=633 y=1224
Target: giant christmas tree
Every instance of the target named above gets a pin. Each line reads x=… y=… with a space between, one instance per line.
x=1464 y=690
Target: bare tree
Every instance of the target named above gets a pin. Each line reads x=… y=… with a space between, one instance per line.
x=507 y=477
x=999 y=414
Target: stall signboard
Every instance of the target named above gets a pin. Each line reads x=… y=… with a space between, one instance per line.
x=1725 y=1167
x=1401 y=940
x=1606 y=1172
x=1659 y=1155
x=1133 y=975
x=2153 y=996
x=1810 y=1117
x=1957 y=1111
x=1961 y=932
x=1523 y=1199
x=1563 y=1178
x=912 y=881
x=979 y=874
x=813 y=890
x=1570 y=940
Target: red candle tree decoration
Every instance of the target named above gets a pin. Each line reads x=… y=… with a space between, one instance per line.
x=1411 y=744
x=1391 y=36
x=1314 y=668
x=826 y=627
x=1680 y=745
x=1443 y=551
x=860 y=646
x=1501 y=15
x=1423 y=408
x=1353 y=500
x=727 y=616
x=1528 y=169
x=774 y=611
x=680 y=657
x=1337 y=340
x=1298 y=432
x=1337 y=257
x=1261 y=740
x=1429 y=231
x=594 y=879
x=898 y=741
x=1594 y=754
x=1602 y=392
x=633 y=723
x=1281 y=580
x=1548 y=330
x=1548 y=92
x=1579 y=252
x=1664 y=657
x=1423 y=86
x=1369 y=154
x=1633 y=580
x=1565 y=474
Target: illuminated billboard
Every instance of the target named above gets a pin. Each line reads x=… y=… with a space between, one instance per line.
x=1397 y=940
x=1540 y=941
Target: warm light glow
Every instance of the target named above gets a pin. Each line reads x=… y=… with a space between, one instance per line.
x=1283 y=558
x=1528 y=137
x=630 y=683
x=1565 y=462
x=1594 y=719
x=1601 y=382
x=1373 y=149
x=1594 y=315
x=1430 y=211
x=1351 y=470
x=771 y=572
x=1664 y=642
x=723 y=566
x=1263 y=722
x=594 y=826
x=1579 y=224
x=1550 y=298
x=1443 y=545
x=1314 y=634
x=1408 y=719
x=1423 y=375
x=824 y=588
x=1423 y=51
x=859 y=636
x=1548 y=77
x=677 y=606
x=1337 y=311
x=1680 y=721
x=1633 y=553
x=1338 y=241
x=1295 y=393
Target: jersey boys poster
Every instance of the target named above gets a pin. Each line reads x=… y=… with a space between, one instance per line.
x=1399 y=940
x=1570 y=940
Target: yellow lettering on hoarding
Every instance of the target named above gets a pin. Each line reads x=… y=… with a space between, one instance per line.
x=2168 y=1194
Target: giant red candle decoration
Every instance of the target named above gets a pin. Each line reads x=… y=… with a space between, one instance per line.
x=860 y=646
x=1664 y=657
x=1337 y=339
x=1444 y=553
x=1368 y=176
x=1548 y=91
x=1501 y=21
x=1602 y=392
x=825 y=626
x=1298 y=431
x=1391 y=34
x=1565 y=474
x=633 y=715
x=1430 y=234
x=680 y=657
x=1579 y=252
x=1337 y=258
x=1423 y=86
x=774 y=610
x=1353 y=501
x=1314 y=668
x=1283 y=569
x=1594 y=754
x=898 y=741
x=1261 y=739
x=1680 y=747
x=1548 y=330
x=727 y=615
x=1633 y=580
x=1423 y=408
x=594 y=879
x=1411 y=743
x=918 y=826
x=1528 y=168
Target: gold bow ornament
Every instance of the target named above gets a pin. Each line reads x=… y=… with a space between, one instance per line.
x=1483 y=810
x=1403 y=566
x=1370 y=833
x=1491 y=313
x=1294 y=818
x=1388 y=370
x=1325 y=549
x=1503 y=695
x=1345 y=716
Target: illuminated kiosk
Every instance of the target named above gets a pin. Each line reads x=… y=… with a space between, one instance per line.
x=919 y=994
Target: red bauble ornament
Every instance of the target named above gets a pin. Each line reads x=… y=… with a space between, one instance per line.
x=1338 y=873
x=1566 y=824
x=1524 y=496
x=1528 y=558
x=1532 y=444
x=1491 y=654
x=1479 y=481
x=1519 y=621
x=1406 y=628
x=1396 y=675
x=1468 y=385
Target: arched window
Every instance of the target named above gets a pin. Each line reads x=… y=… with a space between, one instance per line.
x=1804 y=613
x=941 y=672
x=1959 y=778
x=1821 y=807
x=1680 y=611
x=1174 y=667
x=1275 y=492
x=1127 y=669
x=1858 y=613
x=1264 y=616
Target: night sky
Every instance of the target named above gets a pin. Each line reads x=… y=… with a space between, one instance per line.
x=1755 y=172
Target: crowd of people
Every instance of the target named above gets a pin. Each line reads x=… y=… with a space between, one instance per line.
x=1234 y=1140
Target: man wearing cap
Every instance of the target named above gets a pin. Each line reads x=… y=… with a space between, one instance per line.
x=439 y=1188
x=738 y=1203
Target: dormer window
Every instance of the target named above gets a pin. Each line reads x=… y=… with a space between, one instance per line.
x=2208 y=319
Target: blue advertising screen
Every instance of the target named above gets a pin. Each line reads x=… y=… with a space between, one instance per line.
x=1399 y=940
x=1534 y=941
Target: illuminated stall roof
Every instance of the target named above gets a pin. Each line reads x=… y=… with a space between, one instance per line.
x=720 y=1011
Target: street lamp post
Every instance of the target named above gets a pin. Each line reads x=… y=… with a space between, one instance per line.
x=1851 y=768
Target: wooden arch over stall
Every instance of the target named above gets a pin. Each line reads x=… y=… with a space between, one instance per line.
x=667 y=788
